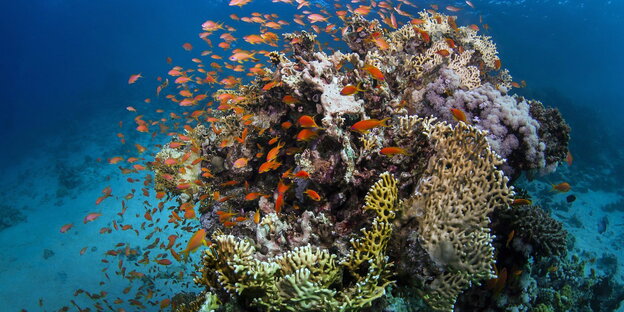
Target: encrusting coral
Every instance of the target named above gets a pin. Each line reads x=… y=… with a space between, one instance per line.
x=281 y=167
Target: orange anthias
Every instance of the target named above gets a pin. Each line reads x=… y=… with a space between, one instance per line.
x=458 y=114
x=350 y=90
x=241 y=162
x=393 y=150
x=363 y=126
x=134 y=78
x=306 y=135
x=306 y=121
x=198 y=239
x=562 y=187
x=374 y=71
x=313 y=195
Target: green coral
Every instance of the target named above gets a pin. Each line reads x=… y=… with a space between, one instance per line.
x=543 y=308
x=308 y=278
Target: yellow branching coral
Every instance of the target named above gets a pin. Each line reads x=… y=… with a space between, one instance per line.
x=459 y=188
x=308 y=278
x=369 y=250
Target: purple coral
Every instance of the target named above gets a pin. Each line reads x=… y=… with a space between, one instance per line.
x=513 y=132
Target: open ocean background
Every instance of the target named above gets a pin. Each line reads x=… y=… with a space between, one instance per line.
x=65 y=67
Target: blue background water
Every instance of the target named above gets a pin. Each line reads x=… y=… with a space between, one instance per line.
x=65 y=66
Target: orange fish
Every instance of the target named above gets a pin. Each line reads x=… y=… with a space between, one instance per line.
x=521 y=201
x=241 y=162
x=272 y=154
x=452 y=8
x=268 y=166
x=450 y=43
x=115 y=160
x=163 y=261
x=282 y=187
x=286 y=125
x=187 y=46
x=510 y=236
x=272 y=141
x=302 y=174
x=561 y=187
x=183 y=186
x=313 y=195
x=443 y=52
x=362 y=10
x=425 y=35
x=306 y=121
x=393 y=150
x=458 y=114
x=374 y=71
x=252 y=196
x=229 y=224
x=317 y=18
x=289 y=99
x=242 y=56
x=134 y=78
x=569 y=158
x=198 y=239
x=189 y=214
x=257 y=216
x=66 y=227
x=363 y=126
x=239 y=3
x=270 y=85
x=351 y=89
x=279 y=202
x=91 y=217
x=170 y=161
x=306 y=135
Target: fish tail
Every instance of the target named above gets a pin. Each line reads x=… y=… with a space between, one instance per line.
x=383 y=122
x=359 y=87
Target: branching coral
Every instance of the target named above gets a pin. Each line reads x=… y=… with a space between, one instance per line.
x=307 y=278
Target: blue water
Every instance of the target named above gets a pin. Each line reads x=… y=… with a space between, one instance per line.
x=65 y=66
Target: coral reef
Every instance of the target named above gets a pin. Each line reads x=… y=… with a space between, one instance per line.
x=543 y=286
x=282 y=167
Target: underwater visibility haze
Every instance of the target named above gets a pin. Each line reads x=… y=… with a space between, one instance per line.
x=312 y=155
